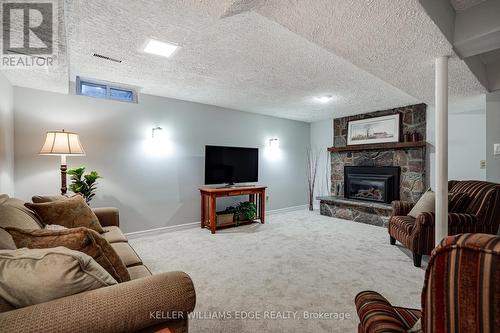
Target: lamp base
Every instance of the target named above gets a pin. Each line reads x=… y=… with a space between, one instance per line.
x=64 y=189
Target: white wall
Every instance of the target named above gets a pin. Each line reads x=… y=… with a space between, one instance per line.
x=6 y=136
x=492 y=136
x=466 y=145
x=321 y=139
x=152 y=189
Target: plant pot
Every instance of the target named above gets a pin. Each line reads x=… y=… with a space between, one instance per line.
x=225 y=219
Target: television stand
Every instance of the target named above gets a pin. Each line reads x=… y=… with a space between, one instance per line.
x=209 y=195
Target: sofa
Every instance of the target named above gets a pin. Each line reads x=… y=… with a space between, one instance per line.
x=481 y=214
x=461 y=292
x=146 y=303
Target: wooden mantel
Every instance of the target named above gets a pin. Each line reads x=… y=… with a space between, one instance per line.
x=378 y=146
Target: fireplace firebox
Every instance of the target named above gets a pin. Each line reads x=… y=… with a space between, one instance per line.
x=378 y=184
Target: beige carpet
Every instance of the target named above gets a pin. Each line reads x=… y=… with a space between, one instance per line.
x=297 y=262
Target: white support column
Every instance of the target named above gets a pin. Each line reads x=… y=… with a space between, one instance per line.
x=441 y=100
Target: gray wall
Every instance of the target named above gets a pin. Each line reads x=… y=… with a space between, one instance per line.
x=492 y=136
x=153 y=187
x=6 y=136
x=466 y=144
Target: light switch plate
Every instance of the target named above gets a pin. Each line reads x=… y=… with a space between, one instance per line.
x=482 y=164
x=496 y=149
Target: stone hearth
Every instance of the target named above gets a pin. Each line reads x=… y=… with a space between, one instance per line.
x=359 y=211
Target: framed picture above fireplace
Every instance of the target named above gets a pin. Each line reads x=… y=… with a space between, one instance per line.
x=373 y=130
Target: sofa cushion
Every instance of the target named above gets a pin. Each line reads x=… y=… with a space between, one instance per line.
x=71 y=212
x=113 y=234
x=137 y=272
x=127 y=254
x=6 y=241
x=14 y=214
x=80 y=239
x=32 y=276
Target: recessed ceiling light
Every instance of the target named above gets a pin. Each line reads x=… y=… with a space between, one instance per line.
x=324 y=99
x=160 y=48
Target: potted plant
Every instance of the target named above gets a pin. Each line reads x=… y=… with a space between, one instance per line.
x=247 y=211
x=85 y=186
x=227 y=216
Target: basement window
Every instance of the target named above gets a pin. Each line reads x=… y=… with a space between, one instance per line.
x=105 y=90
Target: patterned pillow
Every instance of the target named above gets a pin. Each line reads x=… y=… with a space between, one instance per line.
x=78 y=239
x=72 y=212
x=458 y=202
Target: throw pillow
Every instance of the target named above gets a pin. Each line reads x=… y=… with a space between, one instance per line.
x=79 y=239
x=32 y=276
x=458 y=202
x=48 y=198
x=426 y=203
x=72 y=212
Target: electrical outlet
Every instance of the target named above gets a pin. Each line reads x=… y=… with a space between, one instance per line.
x=496 y=149
x=482 y=164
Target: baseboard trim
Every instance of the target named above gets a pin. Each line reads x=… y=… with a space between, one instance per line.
x=191 y=225
x=286 y=209
x=172 y=228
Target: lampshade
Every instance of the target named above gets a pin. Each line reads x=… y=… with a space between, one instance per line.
x=62 y=143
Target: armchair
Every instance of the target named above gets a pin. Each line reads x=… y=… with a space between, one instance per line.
x=461 y=292
x=482 y=215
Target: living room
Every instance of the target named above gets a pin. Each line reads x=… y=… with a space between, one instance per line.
x=325 y=148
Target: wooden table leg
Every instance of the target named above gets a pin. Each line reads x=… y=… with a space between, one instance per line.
x=262 y=205
x=203 y=208
x=212 y=216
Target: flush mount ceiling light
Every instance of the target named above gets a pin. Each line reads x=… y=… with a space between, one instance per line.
x=163 y=49
x=324 y=99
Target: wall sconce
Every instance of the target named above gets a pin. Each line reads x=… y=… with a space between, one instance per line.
x=158 y=143
x=274 y=143
x=157 y=128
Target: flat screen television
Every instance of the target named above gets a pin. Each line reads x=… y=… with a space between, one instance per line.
x=229 y=165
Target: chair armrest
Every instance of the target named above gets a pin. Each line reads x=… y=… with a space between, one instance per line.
x=124 y=307
x=455 y=220
x=376 y=314
x=401 y=208
x=108 y=216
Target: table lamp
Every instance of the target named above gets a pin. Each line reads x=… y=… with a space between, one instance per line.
x=63 y=144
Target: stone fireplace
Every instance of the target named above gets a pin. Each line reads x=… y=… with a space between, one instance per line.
x=377 y=184
x=365 y=179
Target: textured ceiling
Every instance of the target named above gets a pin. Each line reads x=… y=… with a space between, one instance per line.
x=269 y=57
x=460 y=5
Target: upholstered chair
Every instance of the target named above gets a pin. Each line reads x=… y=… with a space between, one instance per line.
x=461 y=292
x=480 y=214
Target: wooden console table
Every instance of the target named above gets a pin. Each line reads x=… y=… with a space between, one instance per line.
x=209 y=195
